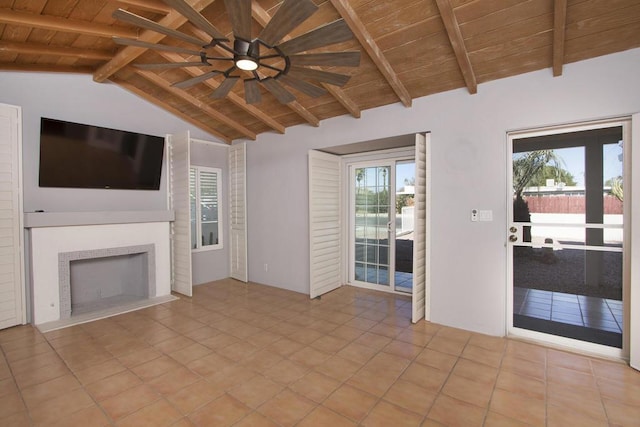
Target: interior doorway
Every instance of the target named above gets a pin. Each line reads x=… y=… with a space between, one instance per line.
x=566 y=237
x=392 y=217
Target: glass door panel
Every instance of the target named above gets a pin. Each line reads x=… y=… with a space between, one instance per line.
x=566 y=235
x=372 y=223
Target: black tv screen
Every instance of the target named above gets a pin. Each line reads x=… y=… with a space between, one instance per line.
x=74 y=155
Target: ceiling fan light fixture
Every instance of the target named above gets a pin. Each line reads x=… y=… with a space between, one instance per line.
x=246 y=63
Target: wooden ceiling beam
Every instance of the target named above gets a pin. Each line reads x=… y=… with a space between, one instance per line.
x=262 y=17
x=44 y=68
x=149 y=5
x=304 y=113
x=176 y=112
x=216 y=115
x=457 y=43
x=125 y=56
x=54 y=23
x=44 y=49
x=236 y=99
x=371 y=47
x=559 y=25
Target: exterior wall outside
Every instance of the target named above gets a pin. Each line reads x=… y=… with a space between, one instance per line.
x=569 y=204
x=469 y=169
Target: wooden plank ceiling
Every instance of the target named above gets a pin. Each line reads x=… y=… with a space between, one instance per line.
x=409 y=49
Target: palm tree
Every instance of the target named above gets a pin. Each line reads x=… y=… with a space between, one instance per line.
x=530 y=165
x=616 y=187
x=525 y=169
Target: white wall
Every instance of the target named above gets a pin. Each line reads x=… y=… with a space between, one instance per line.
x=469 y=169
x=77 y=98
x=210 y=265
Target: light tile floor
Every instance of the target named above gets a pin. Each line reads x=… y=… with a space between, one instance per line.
x=580 y=310
x=251 y=355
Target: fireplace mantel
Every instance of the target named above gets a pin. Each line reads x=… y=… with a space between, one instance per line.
x=66 y=219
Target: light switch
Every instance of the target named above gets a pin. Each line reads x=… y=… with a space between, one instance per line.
x=485 y=215
x=474 y=215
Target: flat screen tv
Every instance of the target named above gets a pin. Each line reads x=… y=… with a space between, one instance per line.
x=74 y=155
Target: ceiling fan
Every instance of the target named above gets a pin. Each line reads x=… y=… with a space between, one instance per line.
x=265 y=60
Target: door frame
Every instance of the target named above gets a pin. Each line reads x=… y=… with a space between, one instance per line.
x=555 y=340
x=390 y=229
x=371 y=158
x=633 y=322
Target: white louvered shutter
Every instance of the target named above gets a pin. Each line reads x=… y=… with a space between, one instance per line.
x=181 y=205
x=325 y=249
x=238 y=211
x=12 y=307
x=420 y=247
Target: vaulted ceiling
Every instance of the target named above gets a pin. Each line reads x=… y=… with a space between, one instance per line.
x=409 y=49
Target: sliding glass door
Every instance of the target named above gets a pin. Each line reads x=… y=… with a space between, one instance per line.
x=381 y=224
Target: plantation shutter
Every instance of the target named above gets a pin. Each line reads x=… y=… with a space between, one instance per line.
x=238 y=212
x=12 y=306
x=325 y=254
x=420 y=248
x=181 y=205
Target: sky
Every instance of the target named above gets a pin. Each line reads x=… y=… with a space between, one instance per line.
x=404 y=171
x=574 y=162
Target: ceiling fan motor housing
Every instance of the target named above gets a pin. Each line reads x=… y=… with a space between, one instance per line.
x=246 y=54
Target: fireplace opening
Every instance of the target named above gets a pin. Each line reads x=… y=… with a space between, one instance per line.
x=102 y=283
x=98 y=280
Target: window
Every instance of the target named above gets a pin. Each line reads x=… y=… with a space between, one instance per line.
x=204 y=191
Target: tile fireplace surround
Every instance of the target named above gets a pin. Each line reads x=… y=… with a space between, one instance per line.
x=53 y=235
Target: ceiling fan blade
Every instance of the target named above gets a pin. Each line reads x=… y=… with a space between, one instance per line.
x=139 y=21
x=252 y=92
x=195 y=80
x=196 y=18
x=339 y=59
x=277 y=90
x=290 y=14
x=304 y=87
x=240 y=17
x=161 y=66
x=164 y=47
x=222 y=90
x=319 y=75
x=332 y=33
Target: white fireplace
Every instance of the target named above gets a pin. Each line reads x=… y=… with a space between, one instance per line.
x=112 y=256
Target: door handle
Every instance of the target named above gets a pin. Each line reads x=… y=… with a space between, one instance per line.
x=513 y=238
